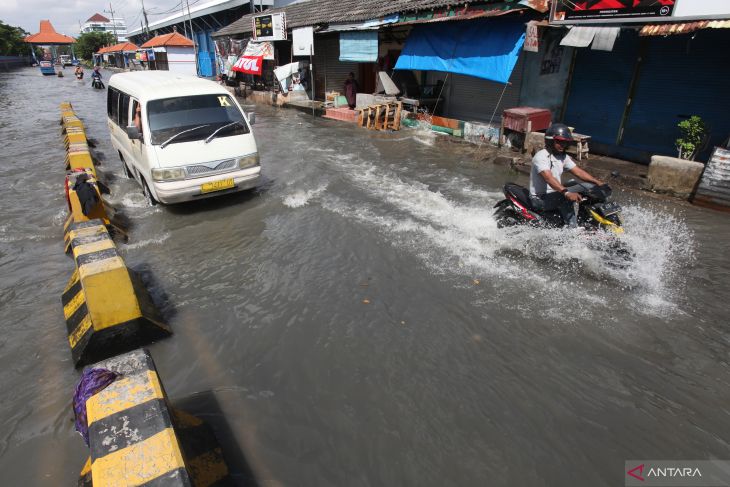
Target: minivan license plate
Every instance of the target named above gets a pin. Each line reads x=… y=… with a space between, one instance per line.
x=216 y=185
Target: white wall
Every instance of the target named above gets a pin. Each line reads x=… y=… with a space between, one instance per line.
x=700 y=8
x=181 y=60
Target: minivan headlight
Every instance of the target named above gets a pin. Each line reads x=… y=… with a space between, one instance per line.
x=171 y=174
x=250 y=160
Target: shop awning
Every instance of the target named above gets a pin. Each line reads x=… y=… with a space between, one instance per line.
x=486 y=49
x=359 y=46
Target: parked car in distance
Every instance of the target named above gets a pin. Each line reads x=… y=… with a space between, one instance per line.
x=65 y=60
x=191 y=140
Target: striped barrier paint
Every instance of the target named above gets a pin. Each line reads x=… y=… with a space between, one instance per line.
x=106 y=307
x=74 y=135
x=79 y=211
x=136 y=438
x=78 y=156
x=85 y=475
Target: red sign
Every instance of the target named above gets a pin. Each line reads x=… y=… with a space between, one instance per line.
x=576 y=11
x=249 y=65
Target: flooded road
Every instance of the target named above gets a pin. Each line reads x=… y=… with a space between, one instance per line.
x=359 y=320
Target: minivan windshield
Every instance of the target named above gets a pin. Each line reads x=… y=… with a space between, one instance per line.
x=174 y=118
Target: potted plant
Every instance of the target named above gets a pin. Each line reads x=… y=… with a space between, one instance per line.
x=694 y=137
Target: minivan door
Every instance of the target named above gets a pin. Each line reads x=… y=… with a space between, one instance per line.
x=138 y=155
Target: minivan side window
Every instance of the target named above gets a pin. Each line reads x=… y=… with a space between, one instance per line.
x=123 y=110
x=112 y=104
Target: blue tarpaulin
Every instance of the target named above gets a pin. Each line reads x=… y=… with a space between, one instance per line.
x=482 y=48
x=359 y=46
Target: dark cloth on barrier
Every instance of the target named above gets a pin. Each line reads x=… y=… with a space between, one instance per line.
x=92 y=381
x=86 y=193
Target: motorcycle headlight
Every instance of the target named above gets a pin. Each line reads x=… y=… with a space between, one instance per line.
x=171 y=174
x=250 y=160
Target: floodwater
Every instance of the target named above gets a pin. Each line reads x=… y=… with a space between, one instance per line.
x=359 y=320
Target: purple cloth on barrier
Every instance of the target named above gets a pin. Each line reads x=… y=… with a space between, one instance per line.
x=92 y=381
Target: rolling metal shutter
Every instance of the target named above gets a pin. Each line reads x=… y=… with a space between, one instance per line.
x=329 y=72
x=474 y=99
x=600 y=88
x=681 y=75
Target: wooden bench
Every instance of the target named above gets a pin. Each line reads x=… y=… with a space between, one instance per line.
x=381 y=116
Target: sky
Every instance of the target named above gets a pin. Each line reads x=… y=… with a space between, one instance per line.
x=66 y=15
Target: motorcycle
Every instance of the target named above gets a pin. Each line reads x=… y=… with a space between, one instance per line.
x=595 y=213
x=97 y=83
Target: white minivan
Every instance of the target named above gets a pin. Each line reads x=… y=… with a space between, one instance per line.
x=190 y=140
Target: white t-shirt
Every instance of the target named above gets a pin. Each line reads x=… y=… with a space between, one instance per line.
x=543 y=161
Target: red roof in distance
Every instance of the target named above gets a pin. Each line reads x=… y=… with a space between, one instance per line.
x=169 y=40
x=121 y=47
x=48 y=35
x=97 y=18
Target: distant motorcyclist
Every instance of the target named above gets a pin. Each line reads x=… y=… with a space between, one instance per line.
x=546 y=190
x=79 y=72
x=96 y=78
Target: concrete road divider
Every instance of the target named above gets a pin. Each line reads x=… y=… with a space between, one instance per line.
x=105 y=304
x=85 y=475
x=74 y=135
x=136 y=438
x=78 y=156
x=84 y=201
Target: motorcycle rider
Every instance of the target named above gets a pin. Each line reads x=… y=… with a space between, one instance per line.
x=547 y=193
x=79 y=72
x=96 y=78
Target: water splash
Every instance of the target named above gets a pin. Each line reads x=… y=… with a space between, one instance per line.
x=456 y=235
x=148 y=242
x=302 y=197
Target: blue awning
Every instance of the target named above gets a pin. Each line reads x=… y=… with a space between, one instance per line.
x=483 y=48
x=359 y=46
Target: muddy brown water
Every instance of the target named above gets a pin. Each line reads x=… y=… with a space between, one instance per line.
x=359 y=320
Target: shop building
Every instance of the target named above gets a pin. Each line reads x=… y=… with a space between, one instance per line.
x=635 y=74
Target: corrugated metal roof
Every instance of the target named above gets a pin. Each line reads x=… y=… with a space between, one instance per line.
x=478 y=14
x=316 y=12
x=683 y=27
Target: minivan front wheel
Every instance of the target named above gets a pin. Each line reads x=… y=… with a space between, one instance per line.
x=147 y=194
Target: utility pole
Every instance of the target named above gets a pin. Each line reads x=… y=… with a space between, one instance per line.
x=192 y=33
x=146 y=23
x=114 y=24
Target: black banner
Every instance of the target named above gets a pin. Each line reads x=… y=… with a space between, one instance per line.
x=619 y=10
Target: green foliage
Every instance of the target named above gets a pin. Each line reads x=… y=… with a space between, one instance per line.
x=11 y=41
x=90 y=42
x=694 y=135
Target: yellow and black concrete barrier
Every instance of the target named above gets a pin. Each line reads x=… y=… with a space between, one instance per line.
x=105 y=304
x=84 y=201
x=136 y=438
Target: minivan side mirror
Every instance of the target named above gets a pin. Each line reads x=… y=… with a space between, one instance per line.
x=251 y=117
x=133 y=132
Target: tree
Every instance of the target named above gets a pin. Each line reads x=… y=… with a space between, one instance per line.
x=694 y=137
x=90 y=42
x=11 y=40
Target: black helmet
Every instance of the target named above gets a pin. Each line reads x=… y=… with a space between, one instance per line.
x=559 y=132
